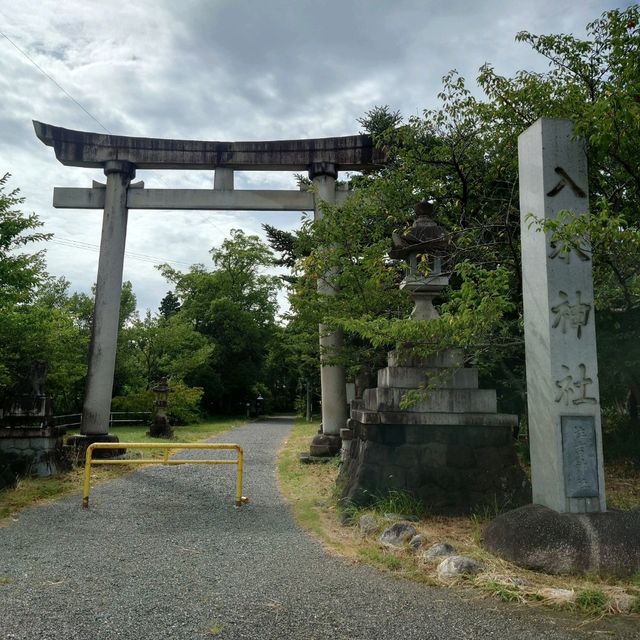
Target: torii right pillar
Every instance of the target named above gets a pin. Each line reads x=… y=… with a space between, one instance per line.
x=332 y=375
x=560 y=339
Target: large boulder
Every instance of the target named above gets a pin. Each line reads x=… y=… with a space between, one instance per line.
x=538 y=538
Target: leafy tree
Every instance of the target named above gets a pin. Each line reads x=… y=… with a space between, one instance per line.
x=234 y=307
x=20 y=274
x=168 y=347
x=463 y=156
x=169 y=305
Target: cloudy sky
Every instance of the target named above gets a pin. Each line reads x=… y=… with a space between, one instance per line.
x=228 y=70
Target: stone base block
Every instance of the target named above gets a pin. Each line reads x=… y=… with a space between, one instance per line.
x=435 y=400
x=325 y=445
x=79 y=442
x=160 y=430
x=452 y=469
x=40 y=450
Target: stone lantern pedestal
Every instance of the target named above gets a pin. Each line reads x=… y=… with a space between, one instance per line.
x=160 y=427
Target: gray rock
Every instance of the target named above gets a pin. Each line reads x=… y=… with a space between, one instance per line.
x=438 y=551
x=456 y=566
x=510 y=581
x=397 y=534
x=416 y=542
x=368 y=524
x=541 y=539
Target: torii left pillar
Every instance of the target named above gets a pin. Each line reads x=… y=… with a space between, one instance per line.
x=106 y=315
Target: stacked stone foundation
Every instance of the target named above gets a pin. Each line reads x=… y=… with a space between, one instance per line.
x=451 y=449
x=40 y=450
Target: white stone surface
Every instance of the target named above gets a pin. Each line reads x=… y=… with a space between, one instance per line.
x=416 y=377
x=562 y=374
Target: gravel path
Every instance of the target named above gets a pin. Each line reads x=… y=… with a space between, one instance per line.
x=163 y=554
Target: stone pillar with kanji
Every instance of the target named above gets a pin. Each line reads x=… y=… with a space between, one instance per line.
x=559 y=324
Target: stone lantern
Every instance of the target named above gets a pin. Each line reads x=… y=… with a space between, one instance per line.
x=160 y=427
x=423 y=238
x=450 y=448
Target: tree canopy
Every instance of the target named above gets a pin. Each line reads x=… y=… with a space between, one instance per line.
x=463 y=157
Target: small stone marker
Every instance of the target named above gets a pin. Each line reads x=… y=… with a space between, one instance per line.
x=368 y=524
x=559 y=324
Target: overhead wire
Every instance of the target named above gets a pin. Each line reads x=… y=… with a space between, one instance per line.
x=142 y=257
x=52 y=79
x=79 y=104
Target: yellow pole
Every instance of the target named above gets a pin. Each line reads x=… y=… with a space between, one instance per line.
x=87 y=477
x=240 y=469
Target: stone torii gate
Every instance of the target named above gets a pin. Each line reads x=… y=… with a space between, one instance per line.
x=121 y=156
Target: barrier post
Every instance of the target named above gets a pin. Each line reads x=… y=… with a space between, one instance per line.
x=165 y=460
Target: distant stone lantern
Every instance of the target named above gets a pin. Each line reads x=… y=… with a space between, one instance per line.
x=160 y=427
x=423 y=237
x=259 y=401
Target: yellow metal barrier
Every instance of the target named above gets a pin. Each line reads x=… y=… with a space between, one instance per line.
x=239 y=461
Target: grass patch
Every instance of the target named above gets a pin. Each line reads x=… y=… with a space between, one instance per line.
x=307 y=487
x=380 y=558
x=400 y=503
x=504 y=592
x=215 y=629
x=33 y=490
x=622 y=485
x=593 y=602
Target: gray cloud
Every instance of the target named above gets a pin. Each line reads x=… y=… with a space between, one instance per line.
x=229 y=70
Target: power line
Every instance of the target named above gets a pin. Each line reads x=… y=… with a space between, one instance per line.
x=77 y=102
x=142 y=257
x=44 y=73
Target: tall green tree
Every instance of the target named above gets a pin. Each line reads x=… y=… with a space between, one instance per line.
x=234 y=306
x=21 y=272
x=463 y=156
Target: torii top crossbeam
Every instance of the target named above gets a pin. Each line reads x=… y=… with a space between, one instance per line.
x=86 y=149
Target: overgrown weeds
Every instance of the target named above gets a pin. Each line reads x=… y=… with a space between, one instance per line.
x=311 y=490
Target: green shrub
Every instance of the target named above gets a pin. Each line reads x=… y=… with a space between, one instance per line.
x=592 y=601
x=133 y=402
x=184 y=403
